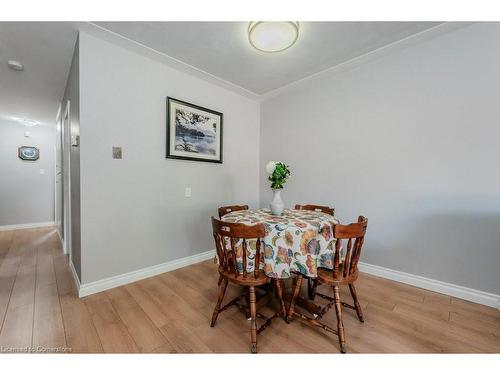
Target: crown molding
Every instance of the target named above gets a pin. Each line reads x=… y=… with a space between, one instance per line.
x=137 y=47
x=398 y=45
x=127 y=43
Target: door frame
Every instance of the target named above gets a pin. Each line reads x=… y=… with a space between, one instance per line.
x=58 y=205
x=66 y=162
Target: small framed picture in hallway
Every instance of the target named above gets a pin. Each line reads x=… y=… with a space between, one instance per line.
x=193 y=132
x=30 y=153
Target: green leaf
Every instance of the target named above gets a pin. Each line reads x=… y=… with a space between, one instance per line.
x=279 y=176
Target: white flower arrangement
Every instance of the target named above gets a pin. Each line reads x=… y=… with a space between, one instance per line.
x=270 y=166
x=278 y=173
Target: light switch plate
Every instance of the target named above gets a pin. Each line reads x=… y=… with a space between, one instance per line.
x=187 y=192
x=117 y=152
x=42 y=171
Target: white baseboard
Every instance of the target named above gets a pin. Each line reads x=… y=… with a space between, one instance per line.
x=75 y=275
x=28 y=225
x=130 y=277
x=62 y=242
x=473 y=295
x=70 y=263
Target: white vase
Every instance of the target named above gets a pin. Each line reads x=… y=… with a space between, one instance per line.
x=277 y=204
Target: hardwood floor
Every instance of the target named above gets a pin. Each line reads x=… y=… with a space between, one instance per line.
x=170 y=313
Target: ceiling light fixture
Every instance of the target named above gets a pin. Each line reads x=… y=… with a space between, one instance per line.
x=15 y=65
x=26 y=121
x=273 y=36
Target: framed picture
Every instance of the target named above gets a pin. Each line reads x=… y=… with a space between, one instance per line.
x=28 y=153
x=193 y=132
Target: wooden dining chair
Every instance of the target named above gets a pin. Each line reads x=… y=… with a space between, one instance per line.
x=312 y=207
x=227 y=209
x=223 y=211
x=312 y=284
x=228 y=269
x=344 y=272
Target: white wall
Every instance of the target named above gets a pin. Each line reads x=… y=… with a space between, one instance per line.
x=411 y=140
x=26 y=196
x=133 y=211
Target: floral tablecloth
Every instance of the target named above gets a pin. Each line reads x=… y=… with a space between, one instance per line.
x=298 y=240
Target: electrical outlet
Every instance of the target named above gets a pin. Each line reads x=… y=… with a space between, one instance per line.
x=187 y=192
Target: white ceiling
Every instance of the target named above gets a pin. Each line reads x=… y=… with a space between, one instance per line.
x=46 y=50
x=222 y=48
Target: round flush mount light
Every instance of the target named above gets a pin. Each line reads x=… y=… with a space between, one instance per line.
x=26 y=121
x=15 y=65
x=273 y=36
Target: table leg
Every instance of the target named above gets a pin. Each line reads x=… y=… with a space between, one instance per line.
x=305 y=303
x=269 y=296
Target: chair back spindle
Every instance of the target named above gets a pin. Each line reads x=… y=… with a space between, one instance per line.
x=232 y=242
x=244 y=247
x=257 y=259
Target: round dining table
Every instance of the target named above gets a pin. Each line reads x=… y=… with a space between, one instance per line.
x=298 y=241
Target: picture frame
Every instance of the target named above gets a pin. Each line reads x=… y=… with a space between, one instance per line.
x=29 y=153
x=193 y=132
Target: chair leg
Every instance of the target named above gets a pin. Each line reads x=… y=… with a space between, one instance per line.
x=247 y=299
x=356 y=303
x=340 y=324
x=279 y=291
x=253 y=314
x=296 y=291
x=220 y=280
x=312 y=284
x=219 y=302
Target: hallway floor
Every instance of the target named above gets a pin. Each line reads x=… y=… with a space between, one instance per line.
x=170 y=313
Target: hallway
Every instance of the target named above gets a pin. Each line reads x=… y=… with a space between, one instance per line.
x=36 y=286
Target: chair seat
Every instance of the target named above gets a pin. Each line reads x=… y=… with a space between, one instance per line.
x=325 y=276
x=248 y=280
